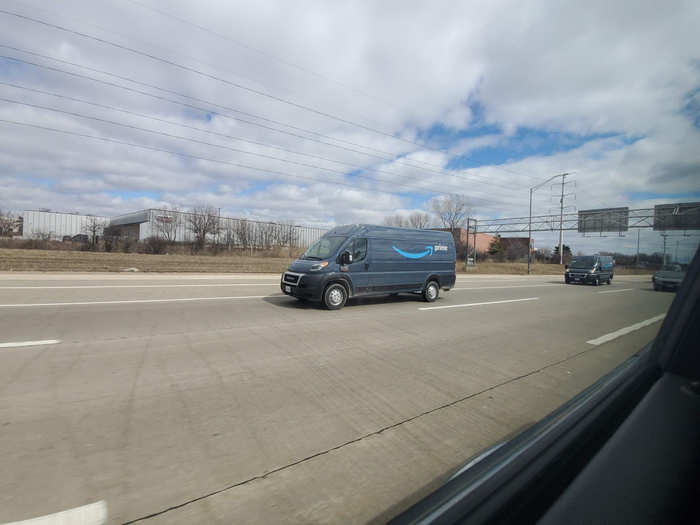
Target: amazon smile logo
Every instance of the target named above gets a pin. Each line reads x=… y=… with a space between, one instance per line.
x=428 y=251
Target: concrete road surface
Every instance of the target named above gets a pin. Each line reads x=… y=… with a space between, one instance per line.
x=215 y=399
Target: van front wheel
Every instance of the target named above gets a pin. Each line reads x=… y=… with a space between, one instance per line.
x=335 y=296
x=431 y=292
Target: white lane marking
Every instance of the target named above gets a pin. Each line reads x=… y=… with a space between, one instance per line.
x=30 y=343
x=84 y=287
x=499 y=287
x=478 y=304
x=91 y=514
x=624 y=331
x=136 y=301
x=618 y=291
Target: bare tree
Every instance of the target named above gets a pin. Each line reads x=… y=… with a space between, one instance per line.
x=166 y=224
x=228 y=231
x=111 y=235
x=419 y=220
x=398 y=221
x=7 y=224
x=42 y=235
x=202 y=221
x=94 y=228
x=452 y=210
x=266 y=233
x=244 y=233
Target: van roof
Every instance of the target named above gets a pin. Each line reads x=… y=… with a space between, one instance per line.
x=376 y=231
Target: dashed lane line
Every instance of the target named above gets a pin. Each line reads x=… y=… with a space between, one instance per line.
x=478 y=304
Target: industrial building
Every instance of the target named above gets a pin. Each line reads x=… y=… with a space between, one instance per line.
x=483 y=241
x=171 y=225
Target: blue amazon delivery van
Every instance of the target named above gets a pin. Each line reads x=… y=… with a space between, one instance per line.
x=361 y=259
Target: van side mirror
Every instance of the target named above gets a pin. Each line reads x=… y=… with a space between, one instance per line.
x=346 y=258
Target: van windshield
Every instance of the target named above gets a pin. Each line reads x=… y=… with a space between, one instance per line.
x=583 y=262
x=324 y=248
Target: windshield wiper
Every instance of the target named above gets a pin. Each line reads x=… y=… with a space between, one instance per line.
x=312 y=258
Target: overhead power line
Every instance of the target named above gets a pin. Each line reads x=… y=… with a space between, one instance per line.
x=261 y=52
x=189 y=97
x=210 y=144
x=400 y=161
x=264 y=53
x=210 y=76
x=215 y=161
x=178 y=153
x=223 y=135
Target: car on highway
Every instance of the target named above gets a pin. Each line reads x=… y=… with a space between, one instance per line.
x=669 y=277
x=594 y=269
x=362 y=259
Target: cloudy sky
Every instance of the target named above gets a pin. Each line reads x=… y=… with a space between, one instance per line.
x=336 y=112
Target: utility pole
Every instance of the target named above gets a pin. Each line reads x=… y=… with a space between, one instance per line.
x=675 y=258
x=637 y=258
x=664 y=235
x=561 y=220
x=466 y=250
x=529 y=236
x=475 y=225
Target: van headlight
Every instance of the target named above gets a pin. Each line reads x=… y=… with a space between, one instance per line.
x=319 y=266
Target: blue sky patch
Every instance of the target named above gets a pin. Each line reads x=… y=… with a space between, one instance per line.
x=691 y=109
x=134 y=194
x=649 y=195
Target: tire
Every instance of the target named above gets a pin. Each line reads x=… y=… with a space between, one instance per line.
x=567 y=281
x=656 y=287
x=431 y=292
x=609 y=280
x=596 y=282
x=335 y=296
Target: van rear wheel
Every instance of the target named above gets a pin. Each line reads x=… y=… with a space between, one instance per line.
x=335 y=296
x=431 y=291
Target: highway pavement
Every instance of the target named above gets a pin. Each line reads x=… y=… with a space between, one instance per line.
x=217 y=399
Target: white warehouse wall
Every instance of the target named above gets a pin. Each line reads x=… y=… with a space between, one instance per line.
x=39 y=223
